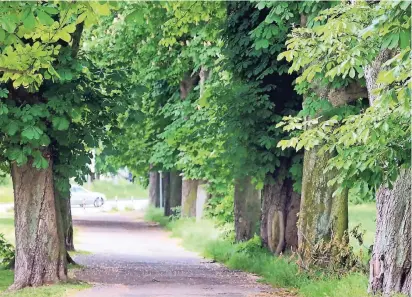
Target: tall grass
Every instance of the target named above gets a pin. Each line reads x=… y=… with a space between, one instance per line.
x=204 y=238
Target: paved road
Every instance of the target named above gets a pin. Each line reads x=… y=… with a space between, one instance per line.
x=131 y=258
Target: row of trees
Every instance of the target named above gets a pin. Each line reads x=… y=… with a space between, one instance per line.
x=218 y=96
x=222 y=107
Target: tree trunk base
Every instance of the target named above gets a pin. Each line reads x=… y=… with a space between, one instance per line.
x=247 y=209
x=39 y=239
x=278 y=227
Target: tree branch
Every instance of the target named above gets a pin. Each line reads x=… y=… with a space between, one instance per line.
x=5 y=69
x=342 y=96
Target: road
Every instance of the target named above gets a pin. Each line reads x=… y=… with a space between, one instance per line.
x=132 y=258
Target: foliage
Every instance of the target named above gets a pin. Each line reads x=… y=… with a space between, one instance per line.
x=374 y=145
x=156 y=215
x=6 y=252
x=221 y=209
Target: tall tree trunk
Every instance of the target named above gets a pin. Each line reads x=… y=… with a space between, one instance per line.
x=166 y=193
x=154 y=189
x=189 y=196
x=280 y=206
x=247 y=208
x=175 y=189
x=40 y=250
x=320 y=215
x=390 y=266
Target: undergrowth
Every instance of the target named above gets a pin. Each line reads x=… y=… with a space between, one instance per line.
x=212 y=242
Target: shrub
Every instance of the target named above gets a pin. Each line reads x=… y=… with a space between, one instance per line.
x=6 y=252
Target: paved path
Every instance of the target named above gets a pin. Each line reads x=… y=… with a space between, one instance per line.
x=131 y=258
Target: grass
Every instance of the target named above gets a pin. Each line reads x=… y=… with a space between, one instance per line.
x=156 y=215
x=365 y=215
x=204 y=238
x=7 y=226
x=123 y=189
x=6 y=190
x=59 y=290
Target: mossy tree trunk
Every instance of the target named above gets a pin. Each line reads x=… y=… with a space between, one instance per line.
x=321 y=215
x=40 y=249
x=189 y=196
x=390 y=266
x=247 y=208
x=280 y=206
x=154 y=189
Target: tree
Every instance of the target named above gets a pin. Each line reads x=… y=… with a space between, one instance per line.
x=362 y=140
x=39 y=44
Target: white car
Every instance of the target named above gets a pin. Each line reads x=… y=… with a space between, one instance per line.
x=81 y=196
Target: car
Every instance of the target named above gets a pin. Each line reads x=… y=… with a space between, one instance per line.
x=81 y=196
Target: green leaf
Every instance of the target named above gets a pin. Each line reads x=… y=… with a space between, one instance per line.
x=12 y=128
x=40 y=162
x=32 y=132
x=30 y=21
x=405 y=39
x=2 y=35
x=60 y=123
x=44 y=18
x=3 y=109
x=263 y=43
x=17 y=155
x=352 y=73
x=8 y=25
x=136 y=16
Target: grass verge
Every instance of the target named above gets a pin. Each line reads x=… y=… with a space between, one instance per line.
x=122 y=189
x=59 y=290
x=204 y=238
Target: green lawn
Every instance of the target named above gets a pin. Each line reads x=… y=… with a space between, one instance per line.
x=7 y=226
x=365 y=215
x=60 y=290
x=6 y=191
x=123 y=189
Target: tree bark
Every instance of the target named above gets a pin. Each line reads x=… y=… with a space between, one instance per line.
x=175 y=189
x=40 y=250
x=166 y=193
x=247 y=209
x=320 y=215
x=67 y=220
x=189 y=196
x=280 y=206
x=201 y=199
x=390 y=266
x=154 y=189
